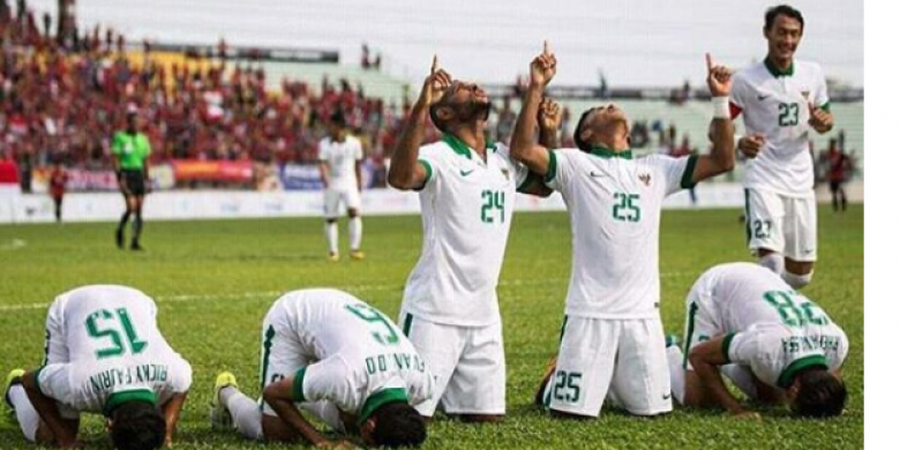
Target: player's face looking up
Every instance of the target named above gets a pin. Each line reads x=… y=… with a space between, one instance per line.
x=462 y=103
x=784 y=37
x=603 y=127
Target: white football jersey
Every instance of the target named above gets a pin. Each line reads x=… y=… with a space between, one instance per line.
x=768 y=326
x=614 y=205
x=363 y=358
x=341 y=158
x=776 y=105
x=116 y=352
x=467 y=206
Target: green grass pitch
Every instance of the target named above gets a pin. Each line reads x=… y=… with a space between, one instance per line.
x=214 y=281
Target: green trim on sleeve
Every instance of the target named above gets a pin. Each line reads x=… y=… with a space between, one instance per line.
x=407 y=324
x=551 y=167
x=788 y=374
x=530 y=180
x=687 y=178
x=692 y=317
x=379 y=399
x=119 y=398
x=726 y=346
x=297 y=385
x=429 y=172
x=826 y=107
x=37 y=380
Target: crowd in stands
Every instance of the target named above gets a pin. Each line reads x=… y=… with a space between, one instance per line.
x=62 y=102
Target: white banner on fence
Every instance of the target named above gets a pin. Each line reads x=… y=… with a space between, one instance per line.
x=183 y=205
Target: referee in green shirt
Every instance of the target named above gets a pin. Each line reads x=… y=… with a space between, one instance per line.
x=131 y=148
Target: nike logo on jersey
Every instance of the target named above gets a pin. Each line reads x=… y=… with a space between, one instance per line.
x=667 y=396
x=466 y=173
x=762 y=97
x=645 y=178
x=598 y=174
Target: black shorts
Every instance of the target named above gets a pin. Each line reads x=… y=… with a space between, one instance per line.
x=836 y=185
x=134 y=181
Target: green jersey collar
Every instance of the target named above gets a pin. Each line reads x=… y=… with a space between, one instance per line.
x=607 y=153
x=777 y=72
x=379 y=399
x=137 y=395
x=788 y=374
x=460 y=148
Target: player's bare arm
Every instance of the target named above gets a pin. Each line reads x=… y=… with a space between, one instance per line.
x=706 y=359
x=721 y=129
x=821 y=120
x=522 y=146
x=61 y=430
x=323 y=172
x=406 y=172
x=358 y=170
x=171 y=411
x=280 y=396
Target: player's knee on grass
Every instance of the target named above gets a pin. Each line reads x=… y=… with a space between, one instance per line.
x=819 y=394
x=137 y=426
x=394 y=425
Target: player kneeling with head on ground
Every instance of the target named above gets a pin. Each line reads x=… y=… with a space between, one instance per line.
x=338 y=359
x=776 y=345
x=104 y=354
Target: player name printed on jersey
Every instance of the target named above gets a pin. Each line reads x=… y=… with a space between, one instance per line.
x=111 y=379
x=776 y=105
x=399 y=361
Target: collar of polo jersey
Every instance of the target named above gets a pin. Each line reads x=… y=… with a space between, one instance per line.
x=137 y=395
x=788 y=374
x=460 y=148
x=777 y=72
x=604 y=152
x=380 y=398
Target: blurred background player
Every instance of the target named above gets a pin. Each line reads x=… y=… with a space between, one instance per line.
x=340 y=164
x=781 y=99
x=840 y=166
x=58 y=179
x=467 y=189
x=131 y=148
x=775 y=344
x=104 y=354
x=613 y=342
x=339 y=359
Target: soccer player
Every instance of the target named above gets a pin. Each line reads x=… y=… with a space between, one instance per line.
x=781 y=99
x=339 y=359
x=340 y=164
x=467 y=189
x=613 y=342
x=130 y=149
x=775 y=344
x=104 y=354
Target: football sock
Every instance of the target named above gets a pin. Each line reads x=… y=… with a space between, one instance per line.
x=331 y=233
x=26 y=415
x=327 y=412
x=356 y=229
x=676 y=371
x=774 y=262
x=244 y=412
x=741 y=377
x=797 y=281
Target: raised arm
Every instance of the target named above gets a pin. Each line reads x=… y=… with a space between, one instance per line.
x=522 y=146
x=721 y=129
x=171 y=411
x=706 y=359
x=64 y=434
x=406 y=172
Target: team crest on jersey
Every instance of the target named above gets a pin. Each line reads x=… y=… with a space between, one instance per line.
x=645 y=178
x=805 y=94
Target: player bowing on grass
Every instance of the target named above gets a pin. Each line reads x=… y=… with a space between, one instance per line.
x=104 y=353
x=339 y=359
x=613 y=343
x=776 y=345
x=467 y=189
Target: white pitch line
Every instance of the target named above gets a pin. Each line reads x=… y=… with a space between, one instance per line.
x=177 y=298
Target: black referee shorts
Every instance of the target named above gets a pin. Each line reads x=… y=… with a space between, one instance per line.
x=134 y=180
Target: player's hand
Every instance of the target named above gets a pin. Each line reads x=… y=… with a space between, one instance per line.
x=549 y=114
x=747 y=415
x=718 y=78
x=751 y=145
x=543 y=67
x=436 y=85
x=819 y=118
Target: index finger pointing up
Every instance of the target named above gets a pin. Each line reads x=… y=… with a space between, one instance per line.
x=546 y=47
x=709 y=63
x=434 y=64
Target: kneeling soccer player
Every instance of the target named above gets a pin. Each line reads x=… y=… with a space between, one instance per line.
x=338 y=359
x=776 y=345
x=104 y=353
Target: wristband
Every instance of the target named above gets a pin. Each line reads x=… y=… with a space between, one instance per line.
x=721 y=108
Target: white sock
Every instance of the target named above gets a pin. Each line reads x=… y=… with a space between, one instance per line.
x=774 y=262
x=26 y=415
x=356 y=228
x=741 y=377
x=331 y=233
x=796 y=281
x=326 y=412
x=676 y=371
x=244 y=411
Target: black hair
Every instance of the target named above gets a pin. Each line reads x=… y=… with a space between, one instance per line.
x=137 y=426
x=432 y=112
x=398 y=425
x=337 y=118
x=820 y=394
x=580 y=143
x=782 y=10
